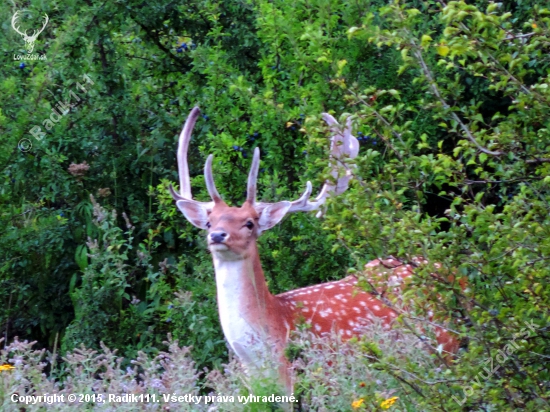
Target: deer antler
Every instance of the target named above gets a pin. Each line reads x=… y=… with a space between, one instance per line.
x=36 y=33
x=343 y=144
x=14 y=21
x=183 y=167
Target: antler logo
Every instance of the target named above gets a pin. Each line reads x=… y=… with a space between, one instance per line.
x=29 y=40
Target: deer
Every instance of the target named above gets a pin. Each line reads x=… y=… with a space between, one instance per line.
x=29 y=40
x=255 y=322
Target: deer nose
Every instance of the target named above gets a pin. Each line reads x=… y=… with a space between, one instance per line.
x=218 y=237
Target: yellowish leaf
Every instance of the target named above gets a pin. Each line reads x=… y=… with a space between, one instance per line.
x=443 y=50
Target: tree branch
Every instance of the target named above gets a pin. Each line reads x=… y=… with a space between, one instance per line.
x=435 y=90
x=537 y=160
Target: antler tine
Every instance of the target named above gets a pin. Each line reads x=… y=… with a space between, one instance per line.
x=183 y=167
x=209 y=178
x=175 y=195
x=36 y=32
x=253 y=177
x=329 y=119
x=45 y=23
x=301 y=204
x=14 y=21
x=342 y=144
x=351 y=144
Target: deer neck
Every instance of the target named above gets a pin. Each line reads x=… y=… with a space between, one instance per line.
x=248 y=311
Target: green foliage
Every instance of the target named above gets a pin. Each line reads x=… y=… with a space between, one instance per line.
x=118 y=144
x=487 y=163
x=450 y=99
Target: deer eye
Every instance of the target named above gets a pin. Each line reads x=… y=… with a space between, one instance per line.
x=249 y=225
x=208 y=225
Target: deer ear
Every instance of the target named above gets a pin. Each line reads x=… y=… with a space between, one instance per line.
x=194 y=212
x=272 y=214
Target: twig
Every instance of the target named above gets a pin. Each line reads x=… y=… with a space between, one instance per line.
x=379 y=116
x=54 y=355
x=520 y=36
x=436 y=92
x=139 y=57
x=537 y=160
x=523 y=179
x=8 y=321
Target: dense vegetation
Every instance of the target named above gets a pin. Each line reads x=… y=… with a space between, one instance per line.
x=451 y=104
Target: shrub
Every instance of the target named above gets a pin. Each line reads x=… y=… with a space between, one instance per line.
x=450 y=101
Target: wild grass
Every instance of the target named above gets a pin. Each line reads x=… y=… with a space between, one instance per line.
x=331 y=375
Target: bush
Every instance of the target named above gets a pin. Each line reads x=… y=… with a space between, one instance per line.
x=331 y=375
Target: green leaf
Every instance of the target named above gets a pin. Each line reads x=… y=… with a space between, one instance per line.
x=81 y=257
x=425 y=41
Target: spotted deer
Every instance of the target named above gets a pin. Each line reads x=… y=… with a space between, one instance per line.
x=253 y=319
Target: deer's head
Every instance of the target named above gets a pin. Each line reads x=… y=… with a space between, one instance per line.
x=29 y=40
x=232 y=231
